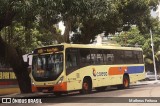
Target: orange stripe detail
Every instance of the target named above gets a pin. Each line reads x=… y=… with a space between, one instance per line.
x=44 y=86
x=117 y=70
x=61 y=87
x=34 y=89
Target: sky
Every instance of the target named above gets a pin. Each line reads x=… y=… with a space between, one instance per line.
x=61 y=27
x=153 y=13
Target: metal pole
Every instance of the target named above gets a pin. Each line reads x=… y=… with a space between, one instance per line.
x=152 y=44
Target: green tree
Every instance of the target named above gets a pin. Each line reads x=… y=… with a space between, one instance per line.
x=112 y=16
x=86 y=18
x=133 y=37
x=10 y=11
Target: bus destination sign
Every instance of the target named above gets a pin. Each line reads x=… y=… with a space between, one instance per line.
x=50 y=49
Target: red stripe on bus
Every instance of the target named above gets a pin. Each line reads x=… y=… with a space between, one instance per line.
x=34 y=88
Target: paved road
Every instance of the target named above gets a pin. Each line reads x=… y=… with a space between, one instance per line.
x=110 y=95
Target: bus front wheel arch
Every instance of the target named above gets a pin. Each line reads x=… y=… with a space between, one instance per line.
x=86 y=85
x=126 y=82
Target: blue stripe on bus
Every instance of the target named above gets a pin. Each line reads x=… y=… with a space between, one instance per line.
x=135 y=69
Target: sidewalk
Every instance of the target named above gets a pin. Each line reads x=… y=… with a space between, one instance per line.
x=9 y=90
x=146 y=82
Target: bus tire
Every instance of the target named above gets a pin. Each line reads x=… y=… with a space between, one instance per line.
x=126 y=83
x=100 y=89
x=86 y=86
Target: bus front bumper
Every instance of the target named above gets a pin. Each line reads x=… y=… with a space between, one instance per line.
x=62 y=87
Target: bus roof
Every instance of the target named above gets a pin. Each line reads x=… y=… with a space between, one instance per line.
x=91 y=46
x=101 y=46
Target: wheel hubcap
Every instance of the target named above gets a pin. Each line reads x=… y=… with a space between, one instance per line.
x=125 y=82
x=85 y=85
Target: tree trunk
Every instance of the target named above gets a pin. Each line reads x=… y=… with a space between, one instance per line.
x=11 y=56
x=66 y=34
x=87 y=36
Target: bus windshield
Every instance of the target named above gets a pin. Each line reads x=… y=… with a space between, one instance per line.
x=47 y=67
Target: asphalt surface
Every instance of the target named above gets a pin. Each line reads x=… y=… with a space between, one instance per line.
x=136 y=95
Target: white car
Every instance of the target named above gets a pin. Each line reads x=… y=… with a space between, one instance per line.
x=151 y=76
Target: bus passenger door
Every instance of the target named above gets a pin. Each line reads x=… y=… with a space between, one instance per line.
x=72 y=66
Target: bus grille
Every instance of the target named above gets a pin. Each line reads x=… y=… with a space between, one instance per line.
x=45 y=89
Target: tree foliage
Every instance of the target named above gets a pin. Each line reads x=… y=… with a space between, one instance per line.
x=91 y=17
x=114 y=16
x=133 y=37
x=26 y=24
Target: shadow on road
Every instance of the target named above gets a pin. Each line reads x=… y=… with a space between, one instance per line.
x=107 y=96
x=77 y=93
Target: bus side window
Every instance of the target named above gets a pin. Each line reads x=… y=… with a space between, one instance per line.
x=93 y=59
x=85 y=58
x=74 y=60
x=129 y=56
x=137 y=57
x=140 y=57
x=119 y=57
x=108 y=57
x=100 y=58
x=71 y=59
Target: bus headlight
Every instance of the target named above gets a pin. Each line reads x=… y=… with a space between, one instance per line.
x=32 y=83
x=60 y=80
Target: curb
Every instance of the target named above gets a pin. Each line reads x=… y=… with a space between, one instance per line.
x=147 y=82
x=28 y=95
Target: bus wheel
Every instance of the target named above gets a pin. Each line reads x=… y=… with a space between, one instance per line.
x=100 y=89
x=86 y=86
x=126 y=83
